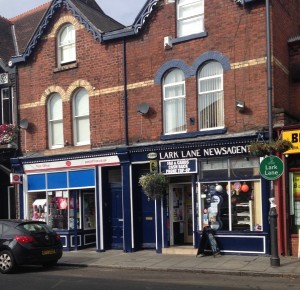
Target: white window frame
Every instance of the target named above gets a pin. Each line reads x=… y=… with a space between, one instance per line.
x=172 y=117
x=78 y=129
x=55 y=123
x=190 y=17
x=6 y=117
x=211 y=100
x=66 y=47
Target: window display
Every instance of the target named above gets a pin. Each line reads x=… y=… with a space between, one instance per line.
x=58 y=208
x=233 y=206
x=295 y=202
x=89 y=210
x=230 y=199
x=74 y=211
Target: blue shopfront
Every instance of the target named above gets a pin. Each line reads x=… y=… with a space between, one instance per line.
x=214 y=183
x=68 y=195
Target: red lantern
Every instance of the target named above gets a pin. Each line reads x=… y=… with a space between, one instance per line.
x=245 y=187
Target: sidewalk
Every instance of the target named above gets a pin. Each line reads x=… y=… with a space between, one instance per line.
x=150 y=260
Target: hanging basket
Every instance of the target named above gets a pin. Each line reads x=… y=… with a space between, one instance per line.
x=154 y=185
x=261 y=149
x=281 y=146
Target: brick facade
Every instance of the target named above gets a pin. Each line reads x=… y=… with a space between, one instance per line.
x=236 y=36
x=100 y=67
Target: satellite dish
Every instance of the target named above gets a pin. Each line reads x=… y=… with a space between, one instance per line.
x=143 y=108
x=24 y=124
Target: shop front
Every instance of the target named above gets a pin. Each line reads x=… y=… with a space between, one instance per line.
x=67 y=195
x=216 y=184
x=291 y=200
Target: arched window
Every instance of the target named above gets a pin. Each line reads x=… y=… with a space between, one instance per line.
x=210 y=96
x=55 y=122
x=66 y=44
x=174 y=102
x=81 y=118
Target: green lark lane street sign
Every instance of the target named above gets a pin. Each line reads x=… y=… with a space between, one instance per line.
x=271 y=167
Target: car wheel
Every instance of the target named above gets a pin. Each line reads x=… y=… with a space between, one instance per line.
x=7 y=263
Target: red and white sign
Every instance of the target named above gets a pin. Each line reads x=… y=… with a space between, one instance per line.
x=15 y=178
x=76 y=163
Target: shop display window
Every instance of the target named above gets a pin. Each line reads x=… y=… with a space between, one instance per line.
x=37 y=206
x=230 y=199
x=89 y=210
x=231 y=206
x=74 y=210
x=57 y=208
x=295 y=202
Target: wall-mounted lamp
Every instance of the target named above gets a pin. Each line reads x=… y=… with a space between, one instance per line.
x=143 y=108
x=240 y=105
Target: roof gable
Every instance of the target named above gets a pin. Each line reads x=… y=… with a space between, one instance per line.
x=87 y=12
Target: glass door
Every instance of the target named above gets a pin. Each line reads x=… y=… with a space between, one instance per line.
x=181 y=214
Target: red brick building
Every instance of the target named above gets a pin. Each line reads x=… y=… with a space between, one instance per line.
x=184 y=89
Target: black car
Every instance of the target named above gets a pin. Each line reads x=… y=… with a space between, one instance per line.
x=24 y=242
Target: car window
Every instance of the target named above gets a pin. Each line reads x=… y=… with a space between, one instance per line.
x=35 y=227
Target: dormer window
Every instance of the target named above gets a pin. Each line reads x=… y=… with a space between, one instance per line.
x=66 y=45
x=190 y=17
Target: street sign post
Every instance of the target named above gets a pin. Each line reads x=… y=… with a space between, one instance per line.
x=271 y=167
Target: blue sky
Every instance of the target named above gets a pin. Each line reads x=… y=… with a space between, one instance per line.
x=123 y=11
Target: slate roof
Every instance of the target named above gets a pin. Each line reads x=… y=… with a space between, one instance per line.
x=31 y=25
x=26 y=24
x=96 y=16
x=6 y=40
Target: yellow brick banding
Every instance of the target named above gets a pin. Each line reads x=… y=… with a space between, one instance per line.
x=66 y=96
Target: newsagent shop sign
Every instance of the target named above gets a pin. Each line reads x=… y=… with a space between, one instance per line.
x=207 y=152
x=178 y=166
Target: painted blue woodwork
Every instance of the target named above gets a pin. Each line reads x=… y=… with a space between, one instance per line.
x=158 y=221
x=127 y=207
x=147 y=230
x=113 y=216
x=57 y=180
x=82 y=178
x=37 y=182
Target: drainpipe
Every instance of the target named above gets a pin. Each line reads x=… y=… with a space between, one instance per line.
x=274 y=260
x=125 y=94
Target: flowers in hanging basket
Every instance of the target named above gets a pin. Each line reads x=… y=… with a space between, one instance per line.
x=281 y=146
x=154 y=184
x=259 y=149
x=8 y=133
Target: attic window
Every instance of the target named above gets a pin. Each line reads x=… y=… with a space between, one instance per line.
x=66 y=45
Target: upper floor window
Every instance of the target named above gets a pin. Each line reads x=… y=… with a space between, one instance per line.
x=55 y=122
x=6 y=107
x=210 y=96
x=174 y=102
x=190 y=17
x=81 y=118
x=66 y=44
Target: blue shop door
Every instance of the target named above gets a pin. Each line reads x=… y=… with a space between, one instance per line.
x=113 y=218
x=144 y=221
x=148 y=222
